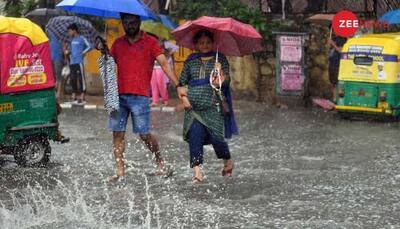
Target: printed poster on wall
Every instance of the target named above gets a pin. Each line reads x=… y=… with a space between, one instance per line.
x=291 y=48
x=292 y=79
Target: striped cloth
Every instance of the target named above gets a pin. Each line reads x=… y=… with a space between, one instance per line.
x=108 y=75
x=202 y=97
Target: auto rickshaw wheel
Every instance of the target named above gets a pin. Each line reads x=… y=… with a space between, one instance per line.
x=33 y=151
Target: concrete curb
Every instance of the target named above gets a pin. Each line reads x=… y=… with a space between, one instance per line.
x=101 y=107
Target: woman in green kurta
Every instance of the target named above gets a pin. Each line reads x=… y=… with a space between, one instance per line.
x=204 y=118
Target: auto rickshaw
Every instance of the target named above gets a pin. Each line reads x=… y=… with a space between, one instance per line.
x=369 y=76
x=28 y=115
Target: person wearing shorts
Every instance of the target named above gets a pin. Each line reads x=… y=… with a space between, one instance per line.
x=134 y=55
x=78 y=48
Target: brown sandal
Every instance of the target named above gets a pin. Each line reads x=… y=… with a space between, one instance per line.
x=227 y=172
x=196 y=180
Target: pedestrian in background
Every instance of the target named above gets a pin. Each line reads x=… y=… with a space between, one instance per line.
x=78 y=47
x=336 y=44
x=160 y=81
x=57 y=60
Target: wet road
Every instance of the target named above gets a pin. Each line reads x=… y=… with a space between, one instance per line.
x=295 y=168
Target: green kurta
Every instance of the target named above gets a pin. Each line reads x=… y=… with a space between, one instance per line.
x=203 y=98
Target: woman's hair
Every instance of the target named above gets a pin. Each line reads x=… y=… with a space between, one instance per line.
x=201 y=33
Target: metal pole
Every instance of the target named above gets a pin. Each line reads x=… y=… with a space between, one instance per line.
x=167 y=4
x=283 y=9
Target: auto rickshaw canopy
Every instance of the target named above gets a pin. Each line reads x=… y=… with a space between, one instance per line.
x=25 y=61
x=372 y=58
x=23 y=27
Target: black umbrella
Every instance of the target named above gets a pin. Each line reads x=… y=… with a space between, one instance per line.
x=41 y=16
x=59 y=27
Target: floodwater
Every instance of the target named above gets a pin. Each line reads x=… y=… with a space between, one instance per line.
x=294 y=168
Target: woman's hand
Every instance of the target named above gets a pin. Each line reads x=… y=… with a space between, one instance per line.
x=215 y=78
x=217 y=66
x=182 y=94
x=186 y=103
x=216 y=81
x=182 y=91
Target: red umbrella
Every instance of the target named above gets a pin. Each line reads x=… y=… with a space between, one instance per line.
x=324 y=103
x=232 y=38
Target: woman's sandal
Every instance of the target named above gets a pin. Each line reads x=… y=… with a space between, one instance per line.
x=197 y=180
x=227 y=172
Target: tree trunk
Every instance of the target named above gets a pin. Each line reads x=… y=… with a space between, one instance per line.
x=47 y=4
x=42 y=4
x=161 y=7
x=51 y=4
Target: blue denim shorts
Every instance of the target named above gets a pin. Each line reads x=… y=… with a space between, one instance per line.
x=139 y=109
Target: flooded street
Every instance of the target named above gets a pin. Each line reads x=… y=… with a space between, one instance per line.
x=294 y=168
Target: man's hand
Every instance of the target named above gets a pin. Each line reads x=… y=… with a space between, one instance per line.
x=330 y=42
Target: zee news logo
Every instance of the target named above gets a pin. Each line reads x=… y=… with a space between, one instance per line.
x=345 y=23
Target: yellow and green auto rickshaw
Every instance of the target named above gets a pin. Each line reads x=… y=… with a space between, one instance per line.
x=28 y=116
x=369 y=76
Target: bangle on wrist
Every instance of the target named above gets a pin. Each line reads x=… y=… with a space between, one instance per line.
x=178 y=85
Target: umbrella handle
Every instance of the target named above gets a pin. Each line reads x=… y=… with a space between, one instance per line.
x=216 y=71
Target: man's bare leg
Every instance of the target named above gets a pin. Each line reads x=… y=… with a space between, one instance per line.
x=119 y=148
x=152 y=145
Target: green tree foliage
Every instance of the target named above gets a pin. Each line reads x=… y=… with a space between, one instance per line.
x=13 y=8
x=18 y=8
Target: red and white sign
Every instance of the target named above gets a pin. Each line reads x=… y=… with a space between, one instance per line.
x=345 y=23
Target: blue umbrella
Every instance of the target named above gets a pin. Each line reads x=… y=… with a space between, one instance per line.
x=165 y=20
x=391 y=17
x=108 y=8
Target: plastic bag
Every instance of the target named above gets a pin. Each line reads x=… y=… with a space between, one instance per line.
x=65 y=71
